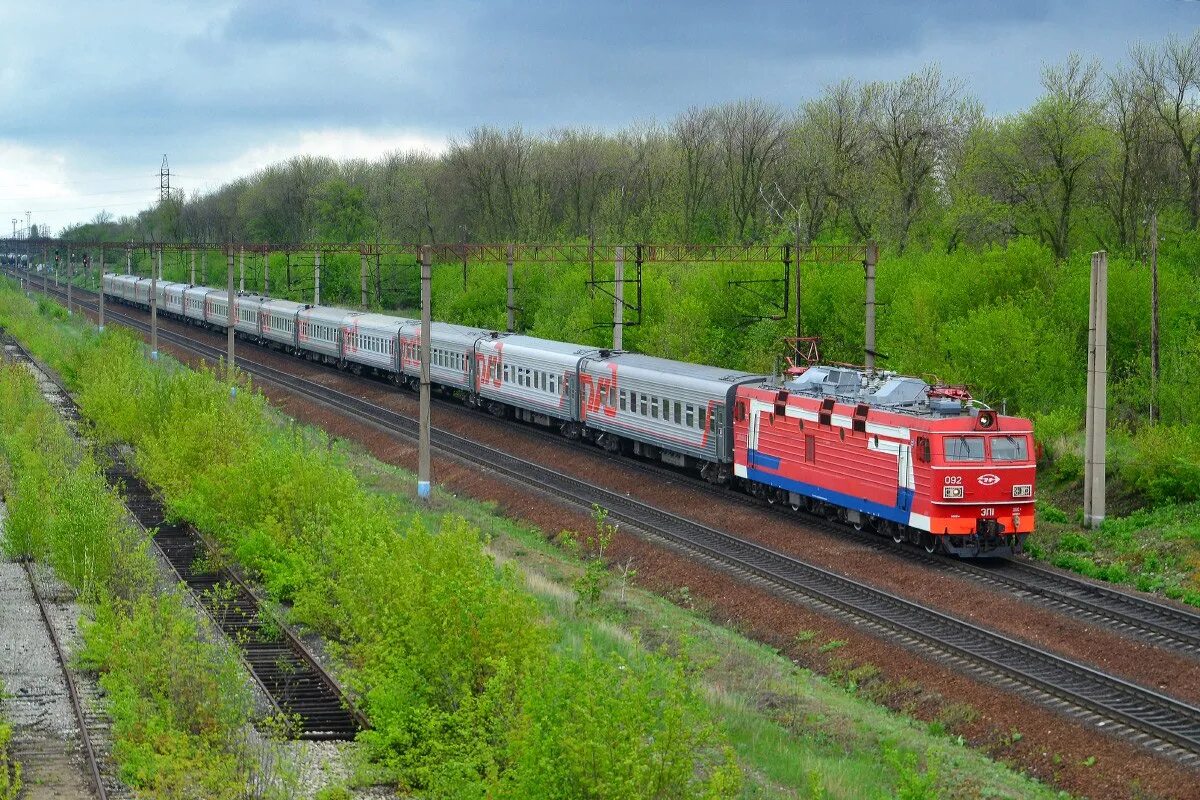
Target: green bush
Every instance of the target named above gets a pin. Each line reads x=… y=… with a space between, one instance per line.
x=178 y=702
x=1165 y=463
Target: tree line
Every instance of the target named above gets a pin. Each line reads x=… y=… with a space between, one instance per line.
x=910 y=162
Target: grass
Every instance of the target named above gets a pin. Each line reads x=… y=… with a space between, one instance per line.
x=795 y=734
x=1156 y=550
x=10 y=769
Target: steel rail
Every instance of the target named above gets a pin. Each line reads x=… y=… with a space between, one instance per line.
x=1147 y=715
x=89 y=752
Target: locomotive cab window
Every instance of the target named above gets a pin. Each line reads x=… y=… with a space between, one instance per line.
x=964 y=448
x=1009 y=448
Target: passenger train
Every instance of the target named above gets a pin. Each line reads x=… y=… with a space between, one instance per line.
x=881 y=451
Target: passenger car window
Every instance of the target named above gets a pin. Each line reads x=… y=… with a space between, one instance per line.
x=1009 y=448
x=963 y=448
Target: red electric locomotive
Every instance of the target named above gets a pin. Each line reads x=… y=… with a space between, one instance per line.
x=919 y=463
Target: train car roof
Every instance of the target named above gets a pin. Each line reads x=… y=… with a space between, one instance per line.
x=328 y=313
x=287 y=305
x=448 y=330
x=544 y=345
x=667 y=366
x=387 y=321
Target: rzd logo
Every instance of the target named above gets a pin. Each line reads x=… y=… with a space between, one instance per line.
x=989 y=479
x=596 y=393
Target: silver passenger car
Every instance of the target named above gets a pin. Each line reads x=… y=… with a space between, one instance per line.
x=537 y=375
x=278 y=321
x=249 y=315
x=452 y=353
x=194 y=302
x=170 y=297
x=319 y=330
x=119 y=286
x=373 y=340
x=685 y=410
x=141 y=292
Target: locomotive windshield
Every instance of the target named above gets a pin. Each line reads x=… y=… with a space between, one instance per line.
x=964 y=448
x=1009 y=448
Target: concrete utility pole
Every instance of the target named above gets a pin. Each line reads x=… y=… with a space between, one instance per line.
x=70 y=275
x=424 y=489
x=128 y=260
x=231 y=319
x=266 y=272
x=799 y=291
x=192 y=279
x=512 y=308
x=101 y=320
x=619 y=298
x=1155 y=366
x=241 y=269
x=869 y=267
x=1097 y=394
x=154 y=306
x=362 y=278
x=45 y=267
x=317 y=280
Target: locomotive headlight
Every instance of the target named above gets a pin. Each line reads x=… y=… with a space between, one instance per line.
x=952 y=492
x=1023 y=490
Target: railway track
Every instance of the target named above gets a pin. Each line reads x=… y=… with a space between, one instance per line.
x=91 y=761
x=1168 y=726
x=1157 y=623
x=301 y=692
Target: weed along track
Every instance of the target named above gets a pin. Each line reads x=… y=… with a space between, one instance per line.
x=308 y=699
x=1167 y=726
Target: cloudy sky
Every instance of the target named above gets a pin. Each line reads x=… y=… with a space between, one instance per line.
x=94 y=93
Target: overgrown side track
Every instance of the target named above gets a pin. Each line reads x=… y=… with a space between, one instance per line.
x=312 y=704
x=1168 y=726
x=85 y=738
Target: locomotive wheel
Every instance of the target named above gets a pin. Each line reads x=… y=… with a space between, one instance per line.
x=794 y=505
x=928 y=542
x=897 y=533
